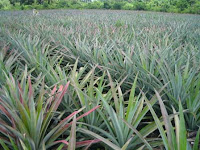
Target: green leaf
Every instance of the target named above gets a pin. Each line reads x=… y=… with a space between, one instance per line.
x=139 y=135
x=196 y=142
x=159 y=125
x=3 y=145
x=13 y=143
x=110 y=144
x=166 y=119
x=114 y=94
x=72 y=140
x=182 y=133
x=126 y=144
x=131 y=102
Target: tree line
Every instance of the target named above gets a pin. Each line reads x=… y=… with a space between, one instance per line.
x=180 y=6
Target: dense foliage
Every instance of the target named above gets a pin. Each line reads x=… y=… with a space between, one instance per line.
x=99 y=79
x=181 y=6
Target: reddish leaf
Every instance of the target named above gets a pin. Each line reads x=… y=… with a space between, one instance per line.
x=30 y=88
x=60 y=88
x=87 y=113
x=85 y=143
x=68 y=117
x=62 y=141
x=61 y=95
x=51 y=97
x=54 y=90
x=79 y=144
x=3 y=131
x=5 y=111
x=20 y=94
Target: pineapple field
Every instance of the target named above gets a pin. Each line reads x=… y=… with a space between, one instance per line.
x=99 y=80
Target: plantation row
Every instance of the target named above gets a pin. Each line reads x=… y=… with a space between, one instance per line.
x=116 y=80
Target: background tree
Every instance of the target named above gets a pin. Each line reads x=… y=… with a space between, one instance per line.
x=5 y=4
